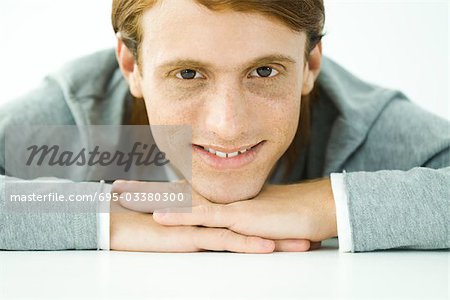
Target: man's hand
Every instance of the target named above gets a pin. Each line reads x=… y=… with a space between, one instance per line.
x=136 y=231
x=298 y=211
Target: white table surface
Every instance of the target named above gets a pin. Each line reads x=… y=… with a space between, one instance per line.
x=324 y=273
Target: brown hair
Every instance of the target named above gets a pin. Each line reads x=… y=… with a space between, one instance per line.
x=300 y=15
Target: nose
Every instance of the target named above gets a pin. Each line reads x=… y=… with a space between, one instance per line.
x=226 y=114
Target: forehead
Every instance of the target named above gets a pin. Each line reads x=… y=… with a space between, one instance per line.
x=175 y=29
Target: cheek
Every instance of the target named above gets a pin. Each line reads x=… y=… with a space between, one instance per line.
x=279 y=110
x=283 y=121
x=169 y=104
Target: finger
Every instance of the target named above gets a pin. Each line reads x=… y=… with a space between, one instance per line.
x=213 y=215
x=131 y=186
x=150 y=196
x=219 y=239
x=122 y=186
x=292 y=245
x=133 y=201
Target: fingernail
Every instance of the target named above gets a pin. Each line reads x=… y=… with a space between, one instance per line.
x=117 y=185
x=119 y=182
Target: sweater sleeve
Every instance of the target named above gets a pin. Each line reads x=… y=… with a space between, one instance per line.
x=393 y=209
x=30 y=230
x=398 y=182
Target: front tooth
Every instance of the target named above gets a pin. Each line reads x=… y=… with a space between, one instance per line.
x=233 y=154
x=221 y=154
x=212 y=151
x=243 y=151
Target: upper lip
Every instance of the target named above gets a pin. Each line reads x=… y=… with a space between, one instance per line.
x=227 y=149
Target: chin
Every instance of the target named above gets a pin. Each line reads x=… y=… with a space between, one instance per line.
x=227 y=190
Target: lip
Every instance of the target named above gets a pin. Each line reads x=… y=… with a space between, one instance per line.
x=227 y=150
x=225 y=163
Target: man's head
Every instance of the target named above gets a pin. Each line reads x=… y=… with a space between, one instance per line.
x=235 y=70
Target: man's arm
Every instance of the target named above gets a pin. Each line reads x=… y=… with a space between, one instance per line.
x=24 y=228
x=437 y=182
x=392 y=209
x=402 y=199
x=28 y=230
x=381 y=220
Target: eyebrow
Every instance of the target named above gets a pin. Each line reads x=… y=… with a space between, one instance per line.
x=197 y=64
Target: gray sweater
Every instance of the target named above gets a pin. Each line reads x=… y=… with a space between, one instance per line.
x=395 y=154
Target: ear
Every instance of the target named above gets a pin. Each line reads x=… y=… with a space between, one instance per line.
x=312 y=69
x=129 y=68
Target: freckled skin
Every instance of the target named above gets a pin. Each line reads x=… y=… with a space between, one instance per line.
x=226 y=107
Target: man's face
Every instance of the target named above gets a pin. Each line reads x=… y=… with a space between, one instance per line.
x=236 y=78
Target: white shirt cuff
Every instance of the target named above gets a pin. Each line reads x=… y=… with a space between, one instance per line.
x=103 y=217
x=342 y=215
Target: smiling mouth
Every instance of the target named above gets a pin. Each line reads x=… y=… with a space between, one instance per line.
x=231 y=158
x=223 y=154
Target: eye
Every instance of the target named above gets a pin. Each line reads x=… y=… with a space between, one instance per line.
x=189 y=74
x=264 y=72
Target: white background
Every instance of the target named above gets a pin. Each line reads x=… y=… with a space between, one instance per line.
x=320 y=274
x=397 y=44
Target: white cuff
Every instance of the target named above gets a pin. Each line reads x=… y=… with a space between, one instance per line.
x=342 y=215
x=103 y=209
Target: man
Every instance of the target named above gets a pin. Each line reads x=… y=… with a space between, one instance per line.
x=243 y=75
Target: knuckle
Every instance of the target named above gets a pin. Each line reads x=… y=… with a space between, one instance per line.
x=195 y=233
x=206 y=213
x=224 y=234
x=234 y=214
x=249 y=242
x=203 y=209
x=237 y=243
x=225 y=239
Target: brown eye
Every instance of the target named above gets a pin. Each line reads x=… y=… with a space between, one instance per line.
x=188 y=74
x=264 y=72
